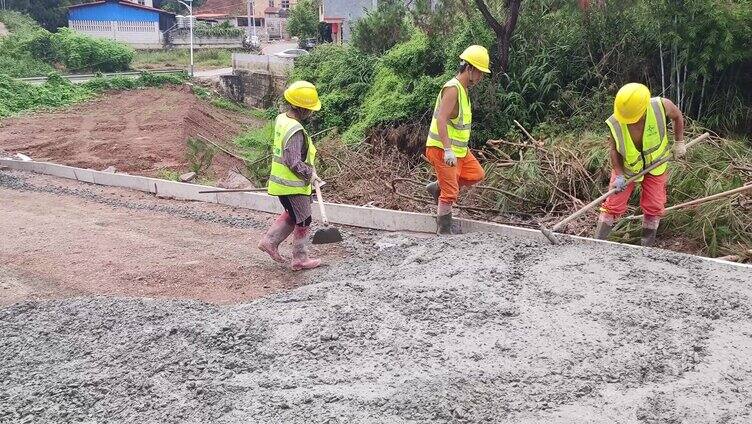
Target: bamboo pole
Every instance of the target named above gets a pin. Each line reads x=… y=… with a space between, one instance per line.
x=746 y=187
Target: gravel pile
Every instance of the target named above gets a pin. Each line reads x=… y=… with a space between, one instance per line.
x=463 y=329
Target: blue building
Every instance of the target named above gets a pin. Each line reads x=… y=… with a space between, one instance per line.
x=136 y=22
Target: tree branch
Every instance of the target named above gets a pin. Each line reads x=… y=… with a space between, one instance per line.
x=490 y=20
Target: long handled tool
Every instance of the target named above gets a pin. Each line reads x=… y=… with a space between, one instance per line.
x=550 y=233
x=327 y=234
x=728 y=193
x=234 y=190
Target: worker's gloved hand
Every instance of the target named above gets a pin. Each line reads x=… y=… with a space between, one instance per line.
x=620 y=183
x=449 y=157
x=680 y=149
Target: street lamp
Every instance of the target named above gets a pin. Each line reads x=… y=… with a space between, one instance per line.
x=190 y=10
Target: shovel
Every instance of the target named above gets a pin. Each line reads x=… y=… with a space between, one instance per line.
x=550 y=233
x=327 y=234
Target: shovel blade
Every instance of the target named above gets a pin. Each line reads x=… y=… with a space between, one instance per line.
x=549 y=235
x=327 y=235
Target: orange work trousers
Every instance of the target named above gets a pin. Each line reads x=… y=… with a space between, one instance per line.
x=652 y=198
x=466 y=173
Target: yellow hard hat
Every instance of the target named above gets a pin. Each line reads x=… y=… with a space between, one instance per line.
x=303 y=94
x=478 y=57
x=631 y=102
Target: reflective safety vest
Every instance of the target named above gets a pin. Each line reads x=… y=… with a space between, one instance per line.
x=283 y=181
x=458 y=129
x=654 y=141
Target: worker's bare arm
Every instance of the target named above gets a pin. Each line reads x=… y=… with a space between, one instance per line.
x=448 y=109
x=616 y=159
x=677 y=118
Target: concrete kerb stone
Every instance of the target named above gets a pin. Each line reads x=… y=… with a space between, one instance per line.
x=134 y=182
x=183 y=191
x=254 y=201
x=356 y=216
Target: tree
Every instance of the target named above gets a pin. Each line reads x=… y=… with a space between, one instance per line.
x=382 y=28
x=503 y=32
x=303 y=20
x=51 y=14
x=175 y=7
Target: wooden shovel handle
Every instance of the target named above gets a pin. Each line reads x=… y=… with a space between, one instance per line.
x=603 y=197
x=320 y=201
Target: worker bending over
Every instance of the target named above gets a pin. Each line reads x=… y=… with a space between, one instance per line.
x=638 y=139
x=447 y=145
x=292 y=174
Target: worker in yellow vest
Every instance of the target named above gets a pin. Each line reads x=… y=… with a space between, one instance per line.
x=292 y=174
x=447 y=144
x=639 y=138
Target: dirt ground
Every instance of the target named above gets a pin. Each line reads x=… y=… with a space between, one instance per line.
x=65 y=239
x=137 y=131
x=403 y=329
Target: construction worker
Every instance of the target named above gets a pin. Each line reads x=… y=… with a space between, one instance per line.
x=638 y=139
x=292 y=174
x=447 y=145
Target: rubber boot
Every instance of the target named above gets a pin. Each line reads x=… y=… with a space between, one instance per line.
x=649 y=230
x=603 y=230
x=444 y=219
x=300 y=259
x=434 y=190
x=277 y=233
x=648 y=237
x=444 y=224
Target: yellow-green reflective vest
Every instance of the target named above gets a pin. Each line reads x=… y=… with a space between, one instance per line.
x=283 y=181
x=458 y=129
x=654 y=141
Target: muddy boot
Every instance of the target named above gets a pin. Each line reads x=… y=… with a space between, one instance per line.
x=300 y=259
x=444 y=224
x=649 y=229
x=603 y=230
x=434 y=190
x=648 y=237
x=277 y=233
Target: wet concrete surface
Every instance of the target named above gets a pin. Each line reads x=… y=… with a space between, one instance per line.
x=472 y=328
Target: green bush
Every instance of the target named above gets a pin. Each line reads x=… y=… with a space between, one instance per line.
x=17 y=21
x=222 y=30
x=380 y=29
x=343 y=76
x=81 y=52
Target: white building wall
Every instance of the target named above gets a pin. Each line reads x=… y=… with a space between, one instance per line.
x=134 y=33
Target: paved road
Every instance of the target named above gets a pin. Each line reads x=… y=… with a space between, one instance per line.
x=278 y=47
x=213 y=73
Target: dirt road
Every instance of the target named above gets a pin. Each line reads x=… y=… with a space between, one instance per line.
x=63 y=239
x=473 y=328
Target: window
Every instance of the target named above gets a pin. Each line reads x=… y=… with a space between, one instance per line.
x=142 y=2
x=242 y=22
x=285 y=4
x=271 y=3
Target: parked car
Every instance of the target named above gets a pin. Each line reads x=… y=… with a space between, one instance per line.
x=252 y=43
x=291 y=53
x=308 y=43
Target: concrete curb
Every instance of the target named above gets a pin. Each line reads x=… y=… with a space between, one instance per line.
x=355 y=216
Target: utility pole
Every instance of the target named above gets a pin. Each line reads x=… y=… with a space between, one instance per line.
x=248 y=27
x=190 y=10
